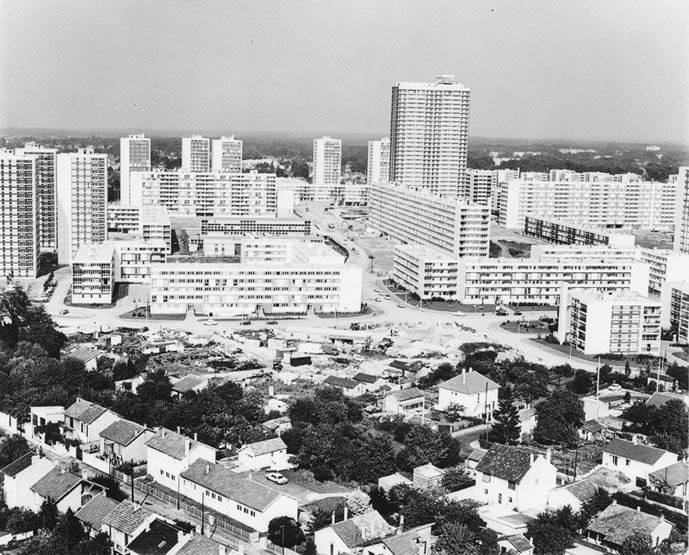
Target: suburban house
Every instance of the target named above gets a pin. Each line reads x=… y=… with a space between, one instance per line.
x=616 y=523
x=404 y=401
x=349 y=387
x=87 y=353
x=199 y=544
x=277 y=425
x=427 y=476
x=40 y=417
x=350 y=535
x=573 y=494
x=269 y=453
x=159 y=537
x=188 y=383
x=169 y=453
x=20 y=475
x=386 y=483
x=416 y=541
x=92 y=513
x=124 y=441
x=87 y=420
x=659 y=398
x=672 y=479
x=231 y=494
x=665 y=382
x=68 y=490
x=636 y=461
x=370 y=382
x=515 y=544
x=125 y=522
x=473 y=459
x=473 y=391
x=514 y=477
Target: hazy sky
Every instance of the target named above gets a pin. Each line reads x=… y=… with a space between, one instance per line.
x=537 y=69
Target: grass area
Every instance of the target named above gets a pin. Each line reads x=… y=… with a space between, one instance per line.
x=456 y=306
x=140 y=314
x=576 y=355
x=532 y=307
x=529 y=326
x=332 y=315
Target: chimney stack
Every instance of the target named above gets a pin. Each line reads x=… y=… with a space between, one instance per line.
x=179 y=430
x=531 y=458
x=187 y=445
x=548 y=454
x=84 y=474
x=638 y=509
x=208 y=468
x=464 y=375
x=332 y=518
x=196 y=436
x=346 y=512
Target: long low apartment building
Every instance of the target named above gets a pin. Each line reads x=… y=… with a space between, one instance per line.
x=204 y=194
x=257 y=225
x=632 y=204
x=416 y=216
x=574 y=233
x=425 y=271
x=675 y=314
x=264 y=280
x=150 y=222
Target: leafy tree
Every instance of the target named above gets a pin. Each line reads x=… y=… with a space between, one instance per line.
x=591 y=507
x=559 y=417
x=320 y=518
x=423 y=446
x=456 y=539
x=48 y=514
x=310 y=546
x=507 y=427
x=454 y=412
x=582 y=382
x=456 y=479
x=381 y=502
x=285 y=532
x=21 y=520
x=156 y=387
x=627 y=368
x=358 y=502
x=11 y=448
x=112 y=487
x=639 y=543
x=553 y=532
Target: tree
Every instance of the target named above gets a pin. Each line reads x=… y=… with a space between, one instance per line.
x=156 y=387
x=285 y=532
x=559 y=417
x=112 y=487
x=639 y=543
x=310 y=546
x=456 y=539
x=358 y=502
x=582 y=382
x=321 y=517
x=48 y=514
x=454 y=412
x=627 y=368
x=591 y=507
x=11 y=448
x=507 y=427
x=455 y=479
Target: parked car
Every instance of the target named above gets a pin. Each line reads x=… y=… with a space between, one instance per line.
x=517 y=312
x=615 y=387
x=246 y=322
x=388 y=297
x=63 y=312
x=272 y=323
x=401 y=305
x=276 y=478
x=210 y=322
x=501 y=312
x=376 y=290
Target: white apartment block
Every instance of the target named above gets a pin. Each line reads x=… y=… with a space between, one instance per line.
x=19 y=215
x=449 y=224
x=327 y=161
x=134 y=257
x=150 y=222
x=289 y=250
x=135 y=156
x=46 y=167
x=479 y=186
x=644 y=205
x=93 y=273
x=378 y=169
x=665 y=265
x=196 y=154
x=257 y=225
x=681 y=228
x=82 y=194
x=123 y=218
x=573 y=233
x=186 y=193
x=303 y=190
x=674 y=298
x=425 y=271
x=355 y=194
x=227 y=155
x=429 y=135
x=308 y=279
x=601 y=322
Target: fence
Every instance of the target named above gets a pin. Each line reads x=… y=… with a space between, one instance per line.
x=270 y=546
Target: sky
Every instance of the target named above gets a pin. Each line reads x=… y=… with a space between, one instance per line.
x=546 y=69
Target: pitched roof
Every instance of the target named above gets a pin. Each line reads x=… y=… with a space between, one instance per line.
x=84 y=353
x=127 y=517
x=230 y=484
x=476 y=455
x=506 y=462
x=469 y=383
x=583 y=490
x=659 y=398
x=429 y=471
x=362 y=529
x=84 y=411
x=188 y=383
x=160 y=538
x=407 y=394
x=56 y=484
x=388 y=482
x=16 y=466
x=641 y=453
x=200 y=545
x=673 y=475
x=366 y=378
x=519 y=542
x=616 y=523
x=340 y=382
x=403 y=544
x=122 y=431
x=96 y=510
x=593 y=426
x=266 y=446
x=171 y=443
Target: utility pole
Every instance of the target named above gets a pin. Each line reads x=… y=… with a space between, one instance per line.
x=203 y=510
x=485 y=408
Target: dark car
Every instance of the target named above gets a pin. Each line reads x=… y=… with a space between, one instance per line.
x=246 y=322
x=517 y=312
x=501 y=312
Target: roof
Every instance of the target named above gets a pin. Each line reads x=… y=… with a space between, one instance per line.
x=56 y=484
x=96 y=510
x=160 y=538
x=633 y=451
x=388 y=482
x=84 y=411
x=16 y=466
x=659 y=398
x=593 y=426
x=399 y=364
x=84 y=353
x=230 y=484
x=366 y=378
x=429 y=471
x=264 y=447
x=506 y=462
x=362 y=528
x=403 y=544
x=171 y=443
x=122 y=431
x=469 y=383
x=519 y=542
x=407 y=394
x=616 y=523
x=275 y=423
x=583 y=490
x=94 y=252
x=188 y=383
x=127 y=517
x=673 y=475
x=340 y=382
x=200 y=545
x=476 y=455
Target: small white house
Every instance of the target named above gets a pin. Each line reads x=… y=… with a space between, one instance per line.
x=41 y=416
x=348 y=387
x=476 y=393
x=427 y=476
x=189 y=384
x=87 y=353
x=386 y=483
x=636 y=461
x=20 y=476
x=124 y=441
x=514 y=477
x=68 y=490
x=404 y=401
x=616 y=523
x=125 y=522
x=673 y=479
x=87 y=420
x=269 y=453
x=574 y=494
x=367 y=529
x=92 y=513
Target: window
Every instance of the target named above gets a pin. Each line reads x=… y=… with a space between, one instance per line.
x=511 y=485
x=485 y=491
x=499 y=497
x=509 y=499
x=614 y=460
x=626 y=462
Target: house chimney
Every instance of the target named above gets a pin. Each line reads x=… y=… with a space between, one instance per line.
x=548 y=454
x=85 y=475
x=638 y=509
x=332 y=518
x=196 y=436
x=346 y=512
x=208 y=468
x=162 y=432
x=179 y=430
x=464 y=375
x=531 y=458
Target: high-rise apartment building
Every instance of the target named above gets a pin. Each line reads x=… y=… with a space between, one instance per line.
x=681 y=227
x=196 y=154
x=19 y=238
x=479 y=186
x=135 y=156
x=378 y=161
x=227 y=155
x=327 y=161
x=429 y=135
x=82 y=195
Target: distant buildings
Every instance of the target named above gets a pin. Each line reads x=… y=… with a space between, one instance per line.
x=327 y=165
x=636 y=461
x=479 y=185
x=378 y=161
x=135 y=156
x=150 y=222
x=227 y=155
x=425 y=271
x=561 y=232
x=429 y=135
x=196 y=154
x=681 y=225
x=82 y=193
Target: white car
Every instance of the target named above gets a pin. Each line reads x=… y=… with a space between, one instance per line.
x=615 y=387
x=276 y=478
x=210 y=322
x=388 y=297
x=376 y=290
